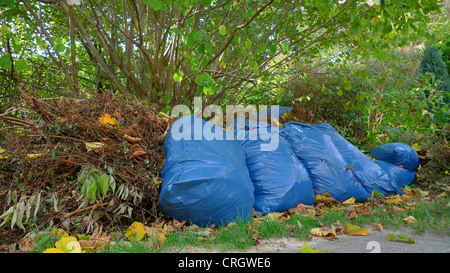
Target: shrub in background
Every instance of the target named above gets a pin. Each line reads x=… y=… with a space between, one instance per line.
x=445 y=49
x=433 y=63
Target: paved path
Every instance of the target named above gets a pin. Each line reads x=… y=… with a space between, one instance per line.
x=375 y=241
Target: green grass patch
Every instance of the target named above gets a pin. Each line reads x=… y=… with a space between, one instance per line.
x=431 y=215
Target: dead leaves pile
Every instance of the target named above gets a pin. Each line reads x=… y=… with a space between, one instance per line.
x=353 y=210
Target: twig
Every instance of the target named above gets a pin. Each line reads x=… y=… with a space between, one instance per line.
x=86 y=208
x=17 y=121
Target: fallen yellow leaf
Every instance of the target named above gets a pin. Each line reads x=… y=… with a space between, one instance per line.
x=136 y=231
x=107 y=119
x=322 y=196
x=274 y=215
x=410 y=220
x=161 y=238
x=402 y=237
x=393 y=199
x=53 y=250
x=31 y=156
x=93 y=145
x=132 y=139
x=354 y=230
x=407 y=190
x=324 y=232
x=302 y=209
x=151 y=230
x=352 y=215
x=306 y=249
x=443 y=194
x=349 y=201
x=378 y=227
x=60 y=233
x=279 y=124
x=316 y=232
x=1 y=152
x=374 y=192
x=157 y=181
x=416 y=147
x=68 y=245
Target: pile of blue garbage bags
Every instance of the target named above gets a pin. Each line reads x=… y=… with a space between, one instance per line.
x=218 y=181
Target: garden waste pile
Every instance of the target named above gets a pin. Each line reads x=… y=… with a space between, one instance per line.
x=73 y=163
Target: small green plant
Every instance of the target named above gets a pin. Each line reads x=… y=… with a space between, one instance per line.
x=93 y=183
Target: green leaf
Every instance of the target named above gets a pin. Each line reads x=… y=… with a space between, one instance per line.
x=272 y=49
x=5 y=61
x=201 y=49
x=208 y=46
x=156 y=5
x=256 y=69
x=7 y=216
x=347 y=86
x=375 y=20
x=402 y=237
x=205 y=62
x=16 y=44
x=178 y=4
x=59 y=47
x=178 y=77
x=377 y=8
x=27 y=36
x=206 y=3
x=223 y=30
x=205 y=79
x=103 y=182
x=92 y=192
x=198 y=36
x=209 y=90
x=356 y=28
x=248 y=44
x=190 y=40
x=340 y=92
x=10 y=3
x=21 y=65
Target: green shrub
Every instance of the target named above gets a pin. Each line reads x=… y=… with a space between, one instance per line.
x=445 y=49
x=433 y=63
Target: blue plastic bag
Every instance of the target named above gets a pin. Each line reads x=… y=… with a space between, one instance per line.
x=327 y=168
x=280 y=180
x=205 y=182
x=398 y=154
x=338 y=167
x=366 y=172
x=398 y=175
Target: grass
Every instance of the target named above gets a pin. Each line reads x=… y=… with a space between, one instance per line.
x=431 y=215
